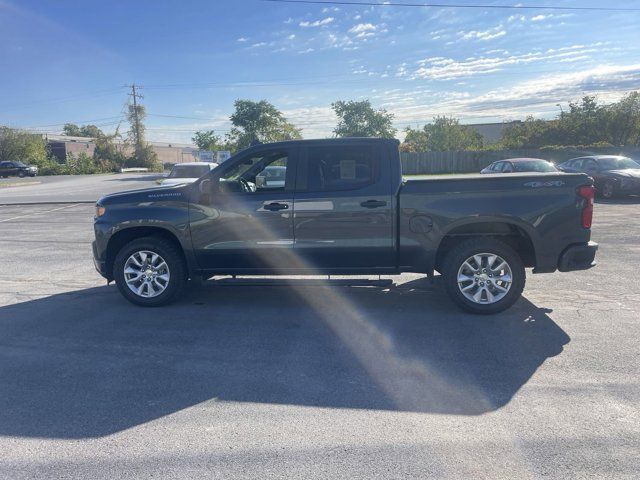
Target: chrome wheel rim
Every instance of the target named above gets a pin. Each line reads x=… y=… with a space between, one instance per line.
x=146 y=274
x=484 y=278
x=607 y=190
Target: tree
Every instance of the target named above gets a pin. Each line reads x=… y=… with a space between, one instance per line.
x=108 y=153
x=623 y=121
x=18 y=145
x=73 y=130
x=259 y=121
x=414 y=140
x=359 y=119
x=585 y=123
x=208 y=140
x=531 y=133
x=144 y=155
x=444 y=134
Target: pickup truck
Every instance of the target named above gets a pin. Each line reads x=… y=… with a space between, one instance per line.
x=344 y=208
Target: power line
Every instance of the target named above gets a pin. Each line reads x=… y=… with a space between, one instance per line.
x=459 y=5
x=37 y=103
x=81 y=122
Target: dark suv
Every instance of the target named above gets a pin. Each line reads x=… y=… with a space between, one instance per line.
x=17 y=169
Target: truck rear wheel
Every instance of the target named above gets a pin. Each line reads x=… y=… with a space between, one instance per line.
x=150 y=271
x=483 y=275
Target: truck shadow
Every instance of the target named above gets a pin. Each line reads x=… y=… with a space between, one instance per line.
x=87 y=364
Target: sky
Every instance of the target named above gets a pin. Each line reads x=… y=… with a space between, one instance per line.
x=71 y=61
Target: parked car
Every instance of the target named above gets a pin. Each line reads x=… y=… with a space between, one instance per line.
x=512 y=165
x=272 y=177
x=17 y=169
x=187 y=172
x=345 y=209
x=613 y=175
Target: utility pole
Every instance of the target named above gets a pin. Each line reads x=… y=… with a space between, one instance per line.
x=136 y=119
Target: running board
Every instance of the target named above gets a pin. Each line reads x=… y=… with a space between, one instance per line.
x=306 y=282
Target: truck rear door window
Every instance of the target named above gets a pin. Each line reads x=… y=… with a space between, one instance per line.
x=340 y=168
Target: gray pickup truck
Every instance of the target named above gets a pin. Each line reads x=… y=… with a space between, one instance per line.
x=344 y=208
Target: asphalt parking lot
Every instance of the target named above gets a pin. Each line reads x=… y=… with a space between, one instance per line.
x=70 y=188
x=313 y=380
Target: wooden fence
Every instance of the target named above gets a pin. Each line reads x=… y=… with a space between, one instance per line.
x=473 y=161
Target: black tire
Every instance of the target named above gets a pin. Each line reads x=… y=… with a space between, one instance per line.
x=608 y=190
x=173 y=258
x=466 y=249
x=22 y=174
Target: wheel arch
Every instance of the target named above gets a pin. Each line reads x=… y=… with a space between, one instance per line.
x=518 y=235
x=126 y=235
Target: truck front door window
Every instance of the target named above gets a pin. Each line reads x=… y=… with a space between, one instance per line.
x=256 y=173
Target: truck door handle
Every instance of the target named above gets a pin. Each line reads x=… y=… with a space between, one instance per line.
x=275 y=206
x=373 y=204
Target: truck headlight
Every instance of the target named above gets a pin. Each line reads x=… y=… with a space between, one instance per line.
x=100 y=210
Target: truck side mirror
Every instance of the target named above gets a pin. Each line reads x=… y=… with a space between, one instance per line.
x=209 y=185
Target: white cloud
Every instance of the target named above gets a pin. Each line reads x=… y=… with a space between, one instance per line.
x=483 y=35
x=362 y=27
x=317 y=23
x=605 y=81
x=242 y=40
x=441 y=68
x=539 y=18
x=291 y=37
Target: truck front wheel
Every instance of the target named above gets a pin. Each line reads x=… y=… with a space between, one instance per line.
x=483 y=275
x=150 y=271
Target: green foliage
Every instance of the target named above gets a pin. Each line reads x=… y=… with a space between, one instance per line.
x=444 y=134
x=81 y=164
x=208 y=140
x=145 y=157
x=585 y=123
x=73 y=130
x=359 y=119
x=135 y=116
x=258 y=121
x=18 y=145
x=108 y=152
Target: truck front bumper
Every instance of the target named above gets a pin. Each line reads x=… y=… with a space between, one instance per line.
x=579 y=256
x=101 y=266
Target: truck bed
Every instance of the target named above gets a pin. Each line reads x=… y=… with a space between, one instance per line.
x=543 y=207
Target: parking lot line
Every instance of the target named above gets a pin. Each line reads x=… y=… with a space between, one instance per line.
x=38 y=213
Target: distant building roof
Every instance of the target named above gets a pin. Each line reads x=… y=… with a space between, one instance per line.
x=67 y=138
x=491 y=132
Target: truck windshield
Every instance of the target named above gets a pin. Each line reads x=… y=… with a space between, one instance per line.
x=188 y=171
x=534 y=166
